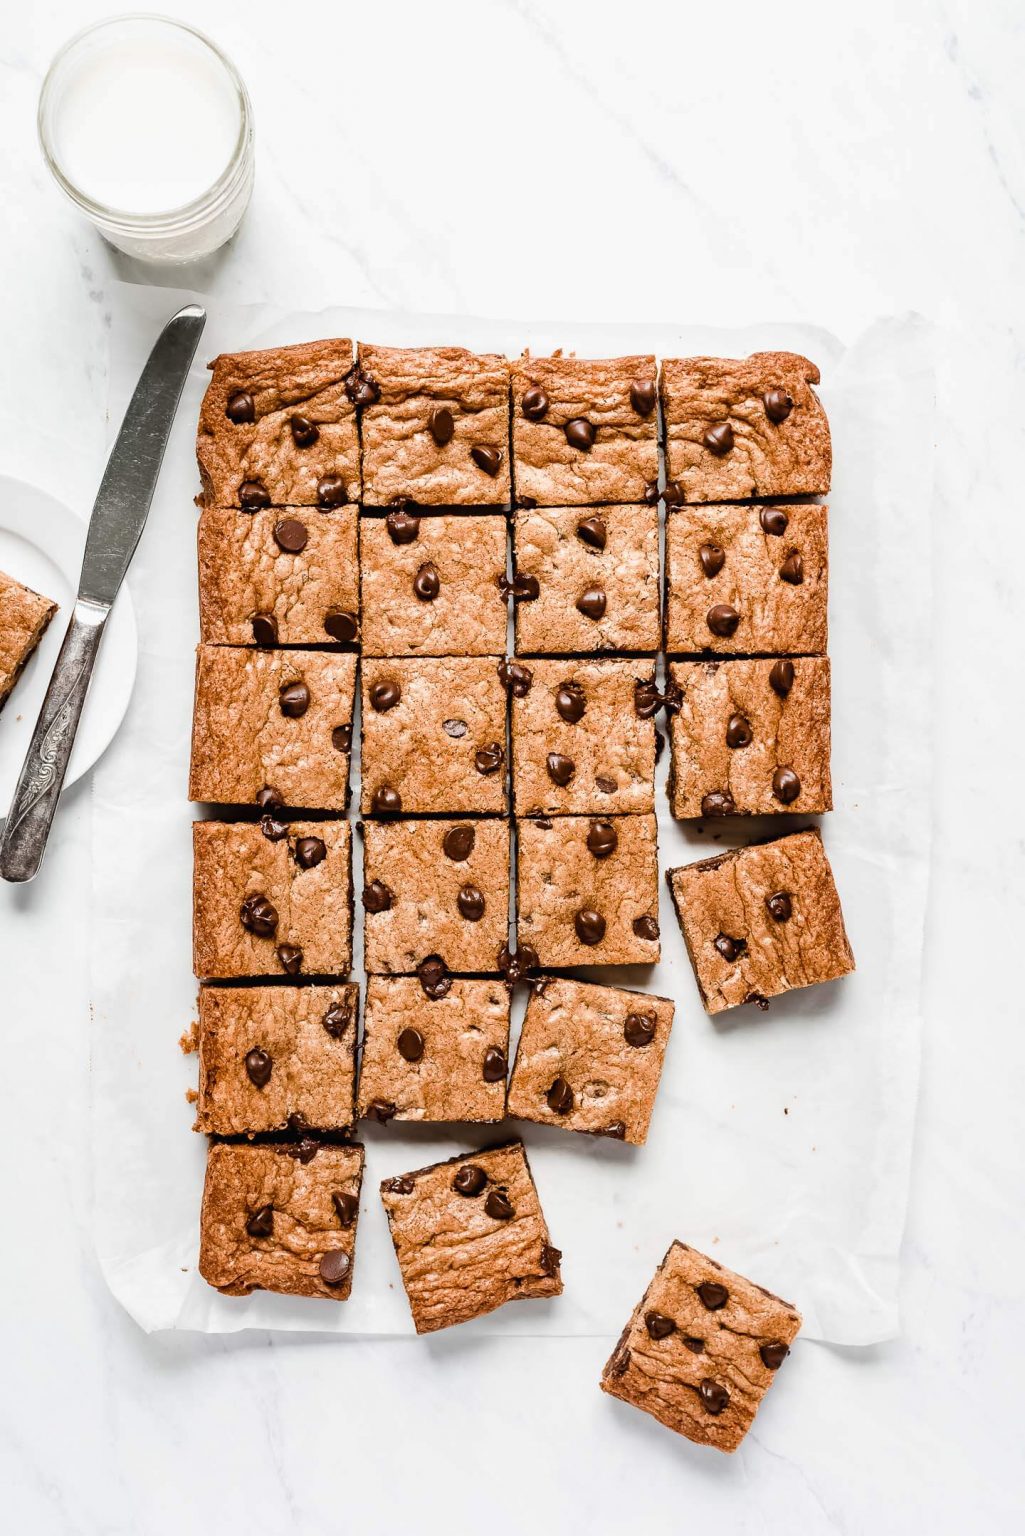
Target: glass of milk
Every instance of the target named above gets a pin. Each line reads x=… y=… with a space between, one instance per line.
x=148 y=129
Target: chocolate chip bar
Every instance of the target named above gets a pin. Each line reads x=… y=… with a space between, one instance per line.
x=583 y=736
x=749 y=737
x=702 y=1349
x=272 y=727
x=435 y=427
x=586 y=580
x=281 y=1218
x=435 y=888
x=433 y=736
x=433 y=586
x=469 y=1235
x=584 y=430
x=746 y=581
x=742 y=427
x=590 y=1058
x=587 y=890
x=24 y=617
x=761 y=920
x=276 y=1059
x=278 y=428
x=439 y=1053
x=272 y=898
x=285 y=577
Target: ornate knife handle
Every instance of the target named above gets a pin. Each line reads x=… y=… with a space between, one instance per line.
x=42 y=777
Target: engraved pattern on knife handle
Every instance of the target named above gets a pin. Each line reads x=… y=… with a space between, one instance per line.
x=43 y=776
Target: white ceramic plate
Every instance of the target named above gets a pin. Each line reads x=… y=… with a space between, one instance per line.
x=41 y=543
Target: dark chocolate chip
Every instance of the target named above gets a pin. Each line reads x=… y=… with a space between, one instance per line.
x=792 y=570
x=304 y=431
x=786 y=786
x=253 y=496
x=722 y=620
x=514 y=967
x=778 y=405
x=341 y=625
x=658 y=1325
x=570 y=702
x=361 y=388
x=592 y=603
x=403 y=527
x=376 y=897
x=646 y=698
x=774 y=521
x=616 y=1129
x=696 y=1346
x=458 y=842
x=719 y=803
x=781 y=678
x=410 y=1045
x=674 y=494
x=602 y=839
x=290 y=958
x=606 y=786
x=495 y=1064
x=434 y=977
x=773 y=1355
x=487 y=458
x=310 y=851
x=739 y=732
x=712 y=1295
x=620 y=1362
x=454 y=728
x=346 y=1207
x=714 y=1397
x=259 y=916
x=441 y=425
x=551 y=1258
x=294 y=699
x=580 y=434
x=303 y=1151
x=427 y=582
x=341 y=738
x=403 y=1185
x=268 y=799
x=528 y=503
x=336 y=1020
x=272 y=829
x=384 y=695
x=534 y=403
x=560 y=1097
x=780 y=907
x=469 y=1180
x=386 y=801
x=590 y=926
x=560 y=769
x=646 y=927
x=524 y=588
x=593 y=532
x=470 y=902
x=334 y=1266
x=642 y=396
x=730 y=949
x=515 y=677
x=261 y=1222
x=651 y=493
x=713 y=558
x=259 y=1065
x=660 y=746
x=331 y=492
x=265 y=629
x=382 y=1110
x=639 y=1029
x=719 y=439
x=489 y=759
x=497 y=1206
x=241 y=408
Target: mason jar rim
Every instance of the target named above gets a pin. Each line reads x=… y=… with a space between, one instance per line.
x=185 y=215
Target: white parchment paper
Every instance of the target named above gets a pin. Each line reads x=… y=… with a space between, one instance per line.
x=780 y=1141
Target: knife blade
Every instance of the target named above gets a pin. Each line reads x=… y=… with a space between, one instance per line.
x=118 y=517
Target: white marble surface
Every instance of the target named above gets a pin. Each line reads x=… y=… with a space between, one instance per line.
x=805 y=162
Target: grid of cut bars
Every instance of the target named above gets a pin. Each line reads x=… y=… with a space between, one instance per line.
x=404 y=511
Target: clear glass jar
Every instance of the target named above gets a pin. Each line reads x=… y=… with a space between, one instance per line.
x=147 y=127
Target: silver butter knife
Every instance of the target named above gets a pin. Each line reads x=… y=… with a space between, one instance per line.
x=119 y=515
